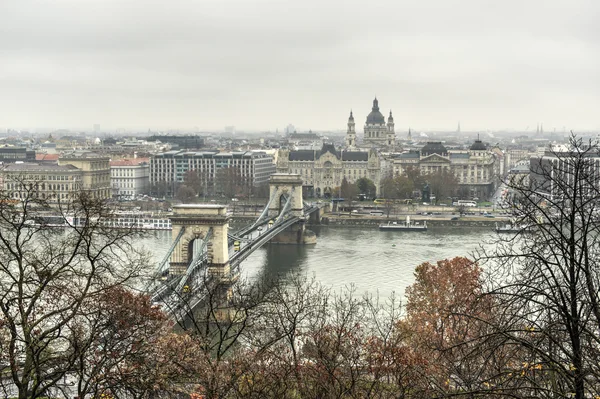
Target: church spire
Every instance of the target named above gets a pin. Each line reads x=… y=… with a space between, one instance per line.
x=351 y=132
x=375 y=105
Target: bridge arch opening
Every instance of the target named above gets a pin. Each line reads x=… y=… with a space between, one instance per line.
x=194 y=246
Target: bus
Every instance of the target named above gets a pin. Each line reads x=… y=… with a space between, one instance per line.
x=465 y=203
x=383 y=201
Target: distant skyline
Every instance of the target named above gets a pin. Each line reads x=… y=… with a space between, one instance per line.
x=260 y=65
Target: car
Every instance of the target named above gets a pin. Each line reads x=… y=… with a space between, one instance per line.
x=490 y=216
x=455 y=218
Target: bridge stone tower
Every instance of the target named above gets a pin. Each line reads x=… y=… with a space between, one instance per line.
x=282 y=186
x=198 y=219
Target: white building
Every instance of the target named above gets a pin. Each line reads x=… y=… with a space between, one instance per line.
x=129 y=177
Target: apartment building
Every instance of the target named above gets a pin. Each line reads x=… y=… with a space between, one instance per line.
x=170 y=168
x=129 y=177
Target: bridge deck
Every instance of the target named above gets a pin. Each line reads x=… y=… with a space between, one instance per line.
x=251 y=238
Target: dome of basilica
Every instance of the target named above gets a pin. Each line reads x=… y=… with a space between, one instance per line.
x=375 y=117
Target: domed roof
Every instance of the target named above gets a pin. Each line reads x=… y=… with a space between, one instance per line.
x=390 y=118
x=478 y=146
x=375 y=117
x=351 y=117
x=433 y=147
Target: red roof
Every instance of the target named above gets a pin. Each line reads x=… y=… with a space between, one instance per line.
x=129 y=162
x=46 y=157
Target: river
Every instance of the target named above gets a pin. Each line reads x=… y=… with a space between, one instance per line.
x=373 y=261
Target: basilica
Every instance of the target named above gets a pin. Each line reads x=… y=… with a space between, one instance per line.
x=376 y=132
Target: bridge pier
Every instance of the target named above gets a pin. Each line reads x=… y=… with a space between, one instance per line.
x=317 y=216
x=295 y=234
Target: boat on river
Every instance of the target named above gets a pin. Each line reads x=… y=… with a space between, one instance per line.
x=513 y=228
x=118 y=220
x=404 y=226
x=138 y=220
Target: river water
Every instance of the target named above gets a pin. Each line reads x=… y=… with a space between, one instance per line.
x=377 y=262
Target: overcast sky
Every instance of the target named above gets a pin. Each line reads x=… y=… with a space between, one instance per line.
x=260 y=65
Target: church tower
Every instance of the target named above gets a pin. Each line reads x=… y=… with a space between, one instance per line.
x=391 y=134
x=351 y=133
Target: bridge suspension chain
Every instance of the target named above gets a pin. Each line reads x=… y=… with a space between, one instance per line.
x=236 y=238
x=160 y=268
x=262 y=217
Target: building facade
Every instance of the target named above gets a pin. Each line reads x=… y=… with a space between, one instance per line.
x=49 y=182
x=377 y=132
x=554 y=174
x=16 y=154
x=95 y=172
x=129 y=177
x=323 y=171
x=476 y=169
x=170 y=168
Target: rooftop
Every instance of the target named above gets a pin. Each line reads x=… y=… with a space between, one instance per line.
x=129 y=162
x=46 y=157
x=49 y=167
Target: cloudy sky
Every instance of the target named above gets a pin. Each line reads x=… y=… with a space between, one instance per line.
x=260 y=64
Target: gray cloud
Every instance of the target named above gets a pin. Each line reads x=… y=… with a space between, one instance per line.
x=263 y=64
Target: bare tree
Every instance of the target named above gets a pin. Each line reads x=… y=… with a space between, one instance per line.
x=230 y=182
x=546 y=283
x=46 y=276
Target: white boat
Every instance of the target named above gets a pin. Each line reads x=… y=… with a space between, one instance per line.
x=404 y=226
x=119 y=220
x=144 y=221
x=512 y=228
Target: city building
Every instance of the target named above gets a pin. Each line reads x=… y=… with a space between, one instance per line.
x=170 y=168
x=95 y=172
x=129 y=177
x=183 y=141
x=551 y=174
x=305 y=141
x=477 y=168
x=14 y=154
x=324 y=170
x=51 y=182
x=376 y=131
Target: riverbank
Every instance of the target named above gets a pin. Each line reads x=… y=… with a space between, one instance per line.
x=374 y=221
x=432 y=222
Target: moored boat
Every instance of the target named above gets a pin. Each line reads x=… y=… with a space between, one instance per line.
x=512 y=228
x=404 y=226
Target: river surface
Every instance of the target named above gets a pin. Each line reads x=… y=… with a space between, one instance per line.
x=377 y=262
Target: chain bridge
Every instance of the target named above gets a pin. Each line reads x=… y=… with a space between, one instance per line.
x=205 y=252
